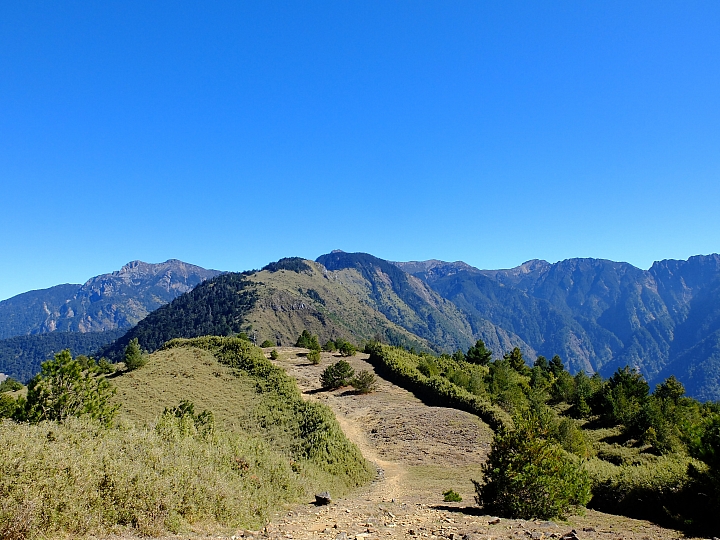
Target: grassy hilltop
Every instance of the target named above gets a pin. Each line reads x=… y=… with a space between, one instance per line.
x=170 y=466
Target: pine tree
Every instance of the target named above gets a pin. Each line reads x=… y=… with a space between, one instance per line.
x=134 y=358
x=479 y=354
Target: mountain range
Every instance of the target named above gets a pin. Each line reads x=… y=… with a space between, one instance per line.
x=596 y=314
x=36 y=324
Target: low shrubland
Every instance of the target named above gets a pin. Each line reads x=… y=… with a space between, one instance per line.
x=646 y=455
x=185 y=470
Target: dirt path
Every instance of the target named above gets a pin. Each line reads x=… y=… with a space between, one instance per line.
x=420 y=452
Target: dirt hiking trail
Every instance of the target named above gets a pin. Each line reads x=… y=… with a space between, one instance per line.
x=419 y=452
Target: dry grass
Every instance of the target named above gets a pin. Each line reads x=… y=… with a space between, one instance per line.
x=155 y=474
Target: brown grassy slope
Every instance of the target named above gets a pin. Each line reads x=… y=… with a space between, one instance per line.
x=173 y=375
x=328 y=304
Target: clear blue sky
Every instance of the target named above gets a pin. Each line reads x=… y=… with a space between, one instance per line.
x=231 y=134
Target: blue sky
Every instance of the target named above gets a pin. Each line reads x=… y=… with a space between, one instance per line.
x=231 y=134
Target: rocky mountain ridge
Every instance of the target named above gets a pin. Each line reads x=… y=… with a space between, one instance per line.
x=600 y=315
x=106 y=302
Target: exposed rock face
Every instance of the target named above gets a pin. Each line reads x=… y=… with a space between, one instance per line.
x=598 y=315
x=106 y=302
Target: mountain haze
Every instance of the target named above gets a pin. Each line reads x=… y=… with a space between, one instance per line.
x=105 y=302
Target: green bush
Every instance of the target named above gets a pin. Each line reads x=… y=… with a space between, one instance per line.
x=364 y=382
x=63 y=388
x=347 y=349
x=314 y=357
x=451 y=496
x=134 y=358
x=267 y=343
x=10 y=385
x=330 y=346
x=274 y=354
x=337 y=375
x=530 y=477
x=307 y=341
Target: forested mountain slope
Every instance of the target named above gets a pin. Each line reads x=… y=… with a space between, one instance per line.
x=277 y=304
x=600 y=315
x=105 y=302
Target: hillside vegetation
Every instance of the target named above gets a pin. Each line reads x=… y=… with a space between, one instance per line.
x=21 y=356
x=597 y=314
x=274 y=304
x=229 y=441
x=649 y=456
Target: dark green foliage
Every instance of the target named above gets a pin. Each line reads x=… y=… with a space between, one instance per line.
x=623 y=396
x=542 y=364
x=134 y=358
x=517 y=361
x=20 y=357
x=267 y=343
x=10 y=385
x=274 y=355
x=330 y=346
x=451 y=496
x=337 y=375
x=314 y=356
x=401 y=367
x=64 y=388
x=563 y=388
x=8 y=406
x=556 y=365
x=292 y=264
x=479 y=354
x=527 y=476
x=364 y=382
x=347 y=349
x=215 y=307
x=308 y=341
x=670 y=388
x=507 y=386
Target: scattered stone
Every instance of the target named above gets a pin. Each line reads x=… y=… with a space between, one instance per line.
x=341 y=536
x=493 y=521
x=536 y=535
x=588 y=529
x=572 y=535
x=323 y=498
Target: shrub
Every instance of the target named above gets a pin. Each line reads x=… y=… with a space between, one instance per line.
x=314 y=357
x=307 y=341
x=274 y=354
x=337 y=375
x=451 y=496
x=330 y=346
x=529 y=477
x=10 y=385
x=347 y=349
x=134 y=358
x=267 y=343
x=63 y=389
x=364 y=383
x=8 y=406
